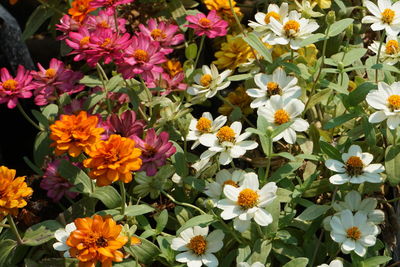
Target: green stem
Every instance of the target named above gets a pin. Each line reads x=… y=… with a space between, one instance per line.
x=103 y=78
x=27 y=117
x=199 y=51
x=14 y=229
x=123 y=197
x=378 y=55
x=291 y=55
x=270 y=151
x=4 y=225
x=229 y=229
x=182 y=203
x=233 y=107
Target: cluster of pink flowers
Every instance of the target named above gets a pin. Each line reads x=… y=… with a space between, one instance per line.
x=211 y=25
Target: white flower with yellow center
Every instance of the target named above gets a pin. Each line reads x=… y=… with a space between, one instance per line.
x=334 y=263
x=353 y=232
x=386 y=16
x=247 y=202
x=278 y=83
x=390 y=52
x=279 y=110
x=62 y=235
x=306 y=9
x=387 y=100
x=356 y=168
x=292 y=30
x=205 y=125
x=224 y=177
x=209 y=82
x=198 y=246
x=228 y=142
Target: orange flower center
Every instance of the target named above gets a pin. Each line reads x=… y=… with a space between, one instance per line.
x=106 y=42
x=50 y=73
x=281 y=117
x=248 y=198
x=10 y=85
x=82 y=8
x=205 y=22
x=388 y=16
x=205 y=80
x=103 y=24
x=141 y=55
x=203 y=125
x=231 y=182
x=226 y=134
x=173 y=67
x=84 y=41
x=392 y=46
x=394 y=102
x=272 y=14
x=354 y=166
x=273 y=89
x=198 y=245
x=158 y=34
x=291 y=27
x=353 y=233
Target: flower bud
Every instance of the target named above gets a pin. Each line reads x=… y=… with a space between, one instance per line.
x=331 y=17
x=349 y=31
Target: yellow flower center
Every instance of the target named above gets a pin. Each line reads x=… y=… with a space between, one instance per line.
x=203 y=125
x=273 y=89
x=197 y=244
x=10 y=85
x=226 y=134
x=248 y=198
x=141 y=55
x=205 y=22
x=205 y=80
x=157 y=33
x=291 y=27
x=84 y=41
x=50 y=73
x=388 y=16
x=272 y=14
x=353 y=233
x=106 y=42
x=394 y=101
x=230 y=182
x=103 y=24
x=392 y=46
x=354 y=166
x=281 y=117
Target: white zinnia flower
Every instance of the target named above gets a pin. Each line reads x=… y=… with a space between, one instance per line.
x=279 y=110
x=306 y=9
x=385 y=16
x=228 y=142
x=292 y=30
x=204 y=125
x=353 y=232
x=198 y=246
x=224 y=177
x=334 y=263
x=210 y=82
x=387 y=100
x=247 y=202
x=62 y=235
x=278 y=83
x=390 y=52
x=355 y=168
x=245 y=264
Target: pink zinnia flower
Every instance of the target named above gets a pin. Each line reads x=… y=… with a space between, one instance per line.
x=142 y=57
x=169 y=83
x=75 y=106
x=12 y=88
x=162 y=32
x=67 y=25
x=104 y=21
x=80 y=42
x=212 y=25
x=125 y=125
x=155 y=151
x=110 y=5
x=54 y=81
x=55 y=185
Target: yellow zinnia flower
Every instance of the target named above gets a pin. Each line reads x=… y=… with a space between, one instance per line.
x=223 y=9
x=239 y=98
x=234 y=51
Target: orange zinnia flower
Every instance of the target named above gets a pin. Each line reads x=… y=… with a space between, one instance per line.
x=113 y=160
x=79 y=9
x=12 y=192
x=74 y=134
x=96 y=239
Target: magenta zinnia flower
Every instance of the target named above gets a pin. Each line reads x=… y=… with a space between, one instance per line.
x=162 y=32
x=125 y=125
x=67 y=25
x=155 y=151
x=110 y=5
x=80 y=42
x=142 y=57
x=212 y=25
x=12 y=88
x=55 y=185
x=104 y=21
x=55 y=81
x=169 y=83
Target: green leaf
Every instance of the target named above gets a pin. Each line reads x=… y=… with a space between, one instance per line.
x=353 y=55
x=108 y=195
x=359 y=94
x=136 y=210
x=43 y=121
x=240 y=77
x=93 y=99
x=37 y=18
x=191 y=51
x=330 y=151
x=178 y=12
x=76 y=176
x=285 y=171
x=298 y=262
x=41 y=148
x=145 y=252
x=162 y=221
x=281 y=128
x=313 y=212
x=91 y=81
x=201 y=220
x=392 y=163
x=339 y=120
x=319 y=97
x=7 y=246
x=313 y=39
x=165 y=246
x=255 y=42
x=339 y=26
x=375 y=261
x=41 y=233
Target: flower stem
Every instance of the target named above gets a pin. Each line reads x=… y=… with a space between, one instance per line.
x=123 y=197
x=233 y=107
x=182 y=203
x=4 y=225
x=20 y=108
x=378 y=55
x=199 y=51
x=103 y=78
x=14 y=229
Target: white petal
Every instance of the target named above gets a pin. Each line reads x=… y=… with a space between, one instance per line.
x=360 y=249
x=231 y=192
x=241 y=226
x=349 y=244
x=179 y=244
x=197 y=230
x=214 y=241
x=224 y=158
x=251 y=181
x=262 y=217
x=209 y=260
x=335 y=165
x=340 y=178
x=377 y=117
